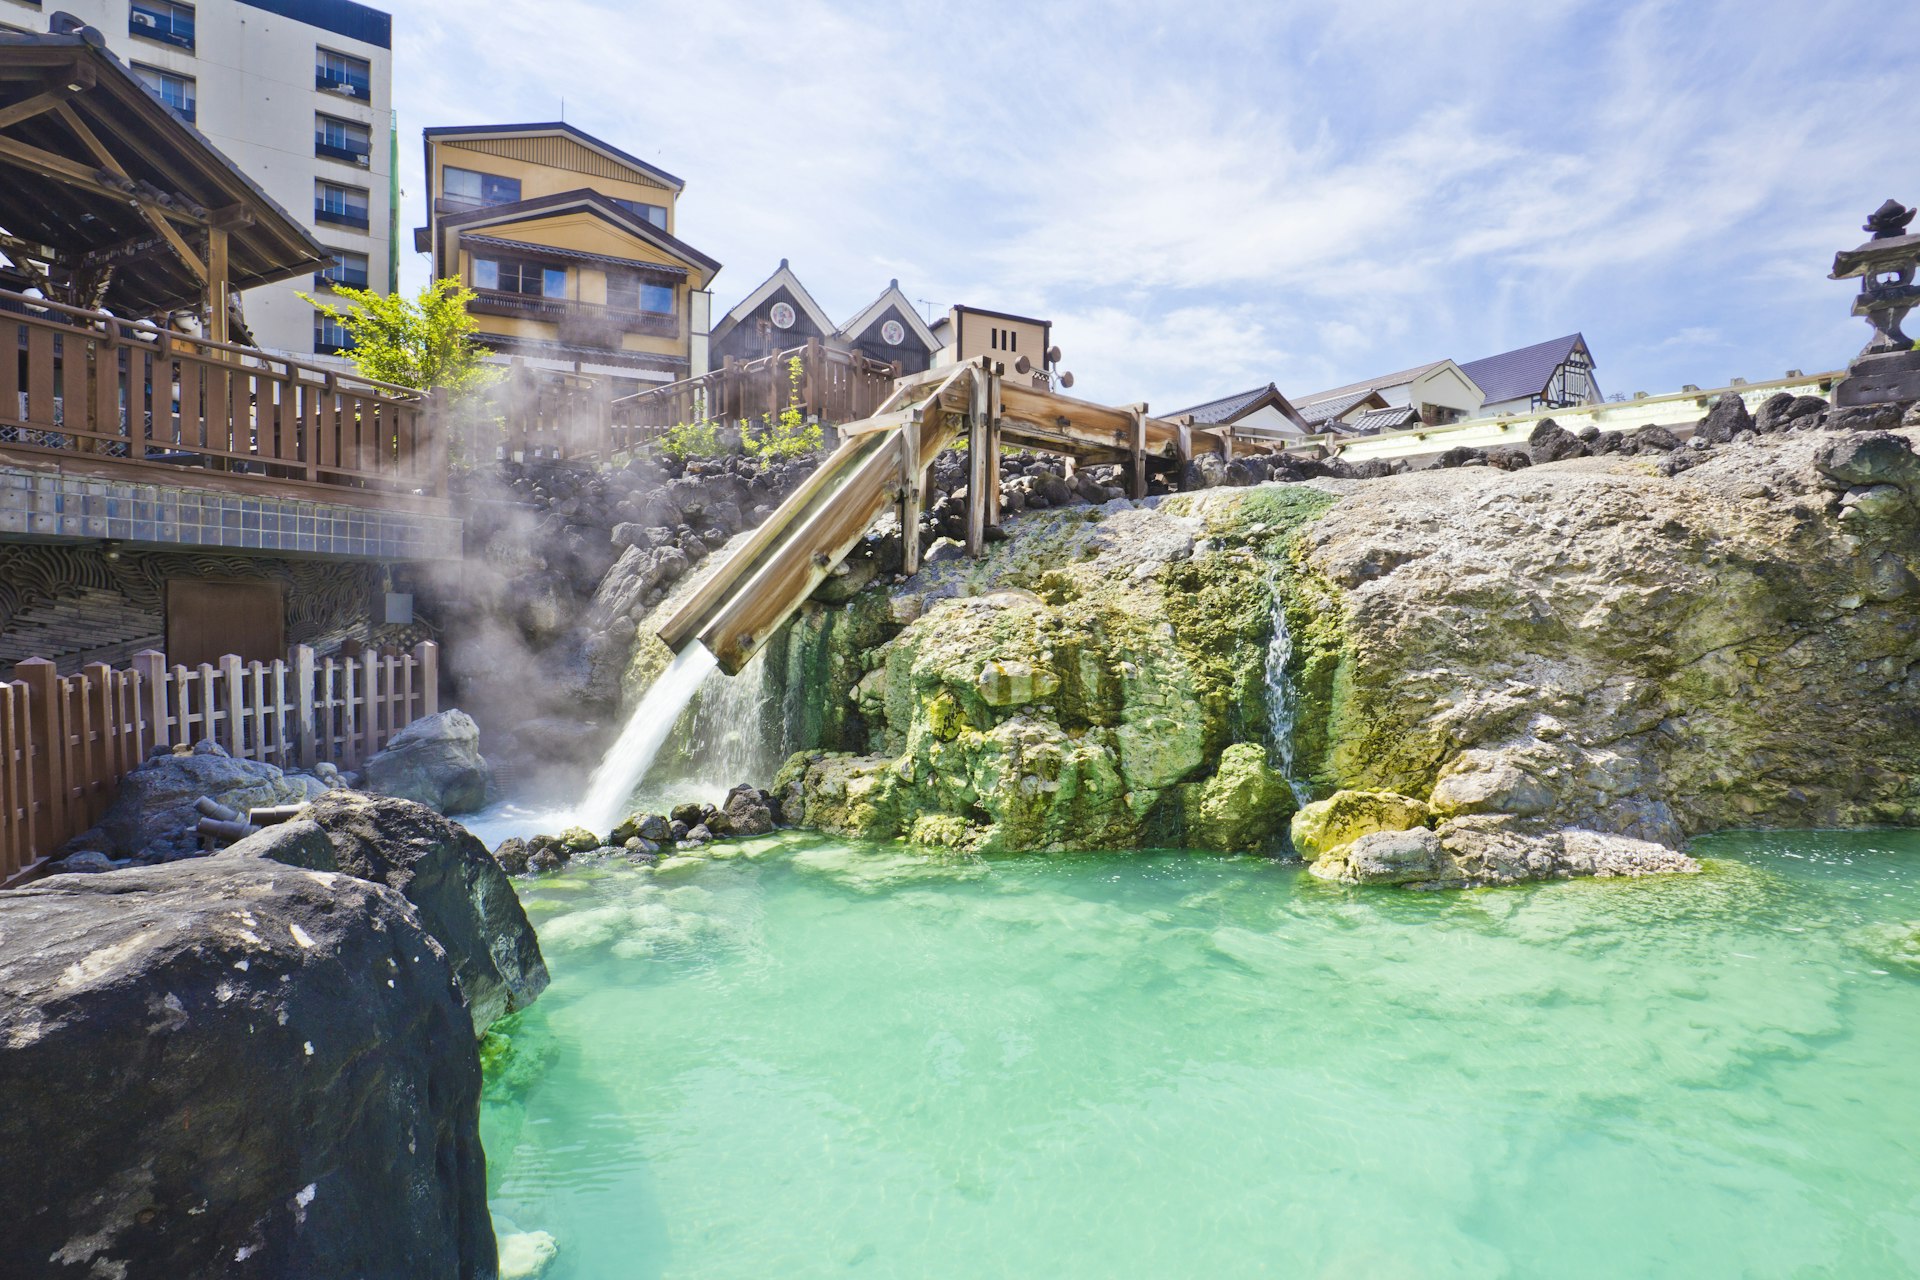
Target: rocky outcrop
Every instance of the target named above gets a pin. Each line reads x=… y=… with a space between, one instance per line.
x=461 y=892
x=229 y=1067
x=435 y=760
x=1573 y=666
x=151 y=817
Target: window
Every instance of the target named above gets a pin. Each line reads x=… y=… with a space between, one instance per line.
x=341 y=139
x=162 y=21
x=328 y=335
x=176 y=91
x=510 y=275
x=346 y=268
x=343 y=74
x=627 y=292
x=341 y=206
x=477 y=190
x=654 y=213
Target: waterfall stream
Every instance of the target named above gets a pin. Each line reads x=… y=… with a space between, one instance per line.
x=1283 y=700
x=735 y=734
x=628 y=760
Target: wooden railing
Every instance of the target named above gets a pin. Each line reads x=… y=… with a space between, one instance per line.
x=548 y=414
x=66 y=741
x=85 y=387
x=835 y=386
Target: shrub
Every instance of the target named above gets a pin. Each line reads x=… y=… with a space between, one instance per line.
x=792 y=435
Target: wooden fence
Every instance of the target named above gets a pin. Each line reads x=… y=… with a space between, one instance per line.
x=835 y=387
x=66 y=741
x=84 y=387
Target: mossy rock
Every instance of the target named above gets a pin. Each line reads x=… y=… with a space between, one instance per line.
x=1243 y=807
x=1325 y=828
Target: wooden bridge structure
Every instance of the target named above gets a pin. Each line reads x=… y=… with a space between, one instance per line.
x=884 y=463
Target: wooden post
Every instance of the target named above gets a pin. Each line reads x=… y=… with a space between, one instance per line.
x=1137 y=454
x=910 y=496
x=427 y=654
x=217 y=327
x=47 y=736
x=1182 y=451
x=978 y=478
x=370 y=720
x=230 y=672
x=993 y=448
x=150 y=665
x=301 y=661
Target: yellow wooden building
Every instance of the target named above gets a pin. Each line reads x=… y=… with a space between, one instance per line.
x=569 y=244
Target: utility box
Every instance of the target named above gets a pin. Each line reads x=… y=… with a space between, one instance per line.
x=396 y=609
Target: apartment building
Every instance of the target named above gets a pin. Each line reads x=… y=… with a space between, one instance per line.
x=298 y=93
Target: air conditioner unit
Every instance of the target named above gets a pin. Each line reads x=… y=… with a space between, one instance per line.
x=342 y=88
x=144 y=20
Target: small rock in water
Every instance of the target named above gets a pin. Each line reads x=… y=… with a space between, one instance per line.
x=687 y=814
x=699 y=835
x=512 y=856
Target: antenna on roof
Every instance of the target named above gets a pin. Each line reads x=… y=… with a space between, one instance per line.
x=926 y=304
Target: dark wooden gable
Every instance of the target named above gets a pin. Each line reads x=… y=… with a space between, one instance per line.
x=756 y=335
x=912 y=351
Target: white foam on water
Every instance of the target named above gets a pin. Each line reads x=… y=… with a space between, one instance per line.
x=628 y=760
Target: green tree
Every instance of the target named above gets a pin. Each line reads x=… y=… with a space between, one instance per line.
x=425 y=342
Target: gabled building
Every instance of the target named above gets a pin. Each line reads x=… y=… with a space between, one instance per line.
x=1262 y=411
x=778 y=315
x=570 y=245
x=1436 y=392
x=1340 y=413
x=890 y=329
x=1556 y=374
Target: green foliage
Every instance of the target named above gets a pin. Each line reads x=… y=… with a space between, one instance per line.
x=791 y=436
x=425 y=342
x=697 y=439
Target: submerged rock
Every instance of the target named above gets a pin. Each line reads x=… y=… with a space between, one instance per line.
x=230 y=1067
x=462 y=894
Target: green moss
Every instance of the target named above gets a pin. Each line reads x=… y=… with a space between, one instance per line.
x=1222 y=616
x=1266 y=517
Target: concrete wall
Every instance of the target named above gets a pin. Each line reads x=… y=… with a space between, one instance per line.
x=253 y=74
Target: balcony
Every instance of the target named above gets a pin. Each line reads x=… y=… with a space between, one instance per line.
x=347 y=279
x=581 y=324
x=341 y=217
x=345 y=86
x=357 y=155
x=158 y=28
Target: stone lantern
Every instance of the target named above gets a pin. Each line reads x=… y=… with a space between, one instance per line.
x=1888 y=368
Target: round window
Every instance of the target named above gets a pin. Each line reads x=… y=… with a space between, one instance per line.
x=893 y=333
x=782 y=315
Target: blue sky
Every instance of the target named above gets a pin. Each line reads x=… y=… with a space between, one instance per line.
x=1207 y=197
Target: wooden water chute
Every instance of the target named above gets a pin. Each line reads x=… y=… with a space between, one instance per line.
x=883 y=463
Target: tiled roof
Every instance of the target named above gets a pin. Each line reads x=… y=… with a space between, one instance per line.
x=1220 y=410
x=1514 y=375
x=1377 y=420
x=1381 y=383
x=1325 y=410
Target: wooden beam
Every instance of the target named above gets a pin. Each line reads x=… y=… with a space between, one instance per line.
x=1137 y=454
x=76 y=174
x=38 y=104
x=910 y=495
x=978 y=429
x=92 y=142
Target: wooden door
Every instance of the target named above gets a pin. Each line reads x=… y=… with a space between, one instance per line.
x=207 y=619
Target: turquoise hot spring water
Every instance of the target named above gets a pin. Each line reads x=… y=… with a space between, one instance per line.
x=814 y=1058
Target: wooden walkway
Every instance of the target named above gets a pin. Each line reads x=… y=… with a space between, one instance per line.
x=883 y=464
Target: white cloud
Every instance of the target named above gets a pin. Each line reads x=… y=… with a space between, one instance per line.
x=1209 y=198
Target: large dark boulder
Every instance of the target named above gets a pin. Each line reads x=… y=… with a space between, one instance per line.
x=461 y=892
x=435 y=760
x=1728 y=415
x=152 y=814
x=1783 y=411
x=1551 y=442
x=227 y=1067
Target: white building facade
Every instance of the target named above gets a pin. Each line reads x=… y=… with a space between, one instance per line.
x=299 y=95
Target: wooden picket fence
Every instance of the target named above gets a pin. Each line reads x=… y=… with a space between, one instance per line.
x=66 y=741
